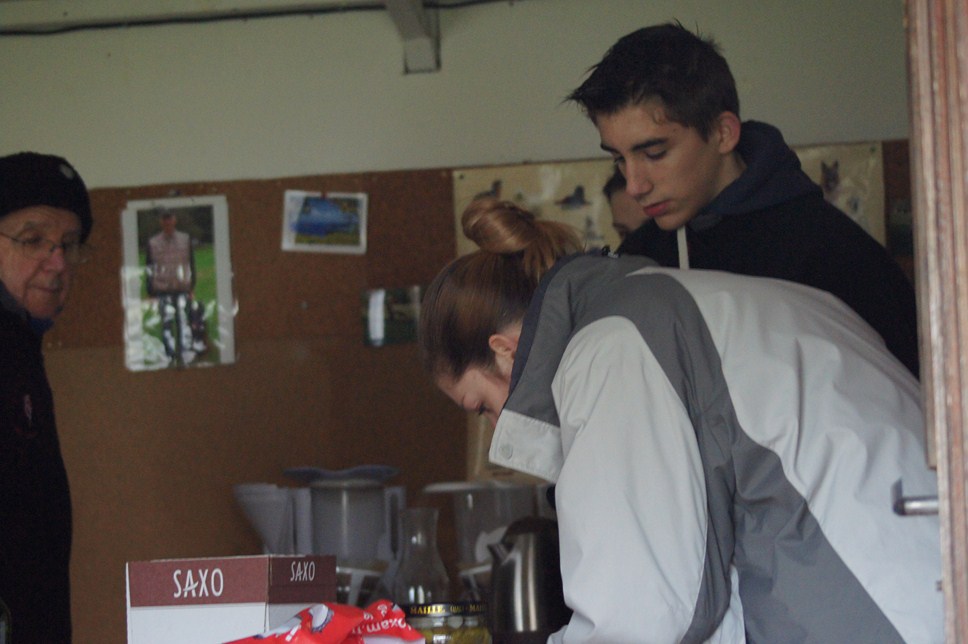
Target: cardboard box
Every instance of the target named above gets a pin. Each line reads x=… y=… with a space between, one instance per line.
x=216 y=600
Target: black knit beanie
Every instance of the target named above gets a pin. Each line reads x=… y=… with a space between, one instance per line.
x=32 y=179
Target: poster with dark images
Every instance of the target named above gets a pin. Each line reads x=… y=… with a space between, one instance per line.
x=852 y=178
x=567 y=192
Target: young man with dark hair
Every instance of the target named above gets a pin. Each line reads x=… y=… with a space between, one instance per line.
x=730 y=195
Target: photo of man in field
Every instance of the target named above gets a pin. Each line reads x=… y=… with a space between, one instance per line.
x=179 y=304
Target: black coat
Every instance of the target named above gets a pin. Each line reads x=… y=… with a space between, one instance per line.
x=35 y=505
x=774 y=222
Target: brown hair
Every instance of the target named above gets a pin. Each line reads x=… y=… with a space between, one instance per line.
x=483 y=292
x=685 y=71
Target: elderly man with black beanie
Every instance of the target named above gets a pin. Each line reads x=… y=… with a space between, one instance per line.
x=45 y=219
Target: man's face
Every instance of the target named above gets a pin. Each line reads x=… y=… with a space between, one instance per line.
x=670 y=171
x=40 y=285
x=168 y=223
x=627 y=214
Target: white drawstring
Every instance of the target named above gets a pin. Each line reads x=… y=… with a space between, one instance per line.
x=683 y=248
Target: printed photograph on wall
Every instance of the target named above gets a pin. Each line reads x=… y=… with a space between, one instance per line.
x=569 y=192
x=852 y=178
x=390 y=315
x=850 y=174
x=331 y=223
x=177 y=283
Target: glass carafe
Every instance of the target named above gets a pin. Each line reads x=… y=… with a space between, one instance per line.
x=421 y=577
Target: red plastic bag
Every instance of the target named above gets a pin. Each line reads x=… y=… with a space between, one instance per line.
x=381 y=622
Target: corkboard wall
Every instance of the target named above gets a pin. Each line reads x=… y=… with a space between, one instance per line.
x=280 y=294
x=152 y=456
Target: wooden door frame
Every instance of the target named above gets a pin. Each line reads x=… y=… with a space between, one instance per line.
x=937 y=34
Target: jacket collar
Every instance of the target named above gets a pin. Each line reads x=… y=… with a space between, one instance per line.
x=9 y=304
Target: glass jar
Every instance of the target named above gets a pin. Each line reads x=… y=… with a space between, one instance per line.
x=421 y=577
x=450 y=623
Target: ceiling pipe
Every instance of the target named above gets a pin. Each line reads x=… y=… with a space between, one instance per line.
x=50 y=17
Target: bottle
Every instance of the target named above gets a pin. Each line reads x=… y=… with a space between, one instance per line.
x=4 y=623
x=421 y=577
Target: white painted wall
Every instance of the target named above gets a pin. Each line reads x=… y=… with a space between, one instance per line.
x=294 y=96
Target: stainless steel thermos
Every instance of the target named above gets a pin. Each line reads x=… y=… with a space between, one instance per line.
x=526 y=602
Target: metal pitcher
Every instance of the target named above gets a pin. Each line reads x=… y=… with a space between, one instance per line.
x=526 y=601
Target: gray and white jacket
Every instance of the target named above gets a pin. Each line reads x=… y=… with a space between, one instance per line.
x=724 y=449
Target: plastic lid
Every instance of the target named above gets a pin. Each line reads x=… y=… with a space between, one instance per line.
x=346 y=484
x=449 y=487
x=311 y=474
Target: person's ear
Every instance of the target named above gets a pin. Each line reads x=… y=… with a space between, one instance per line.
x=504 y=346
x=727 y=131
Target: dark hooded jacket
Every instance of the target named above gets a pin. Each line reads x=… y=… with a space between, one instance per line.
x=774 y=222
x=35 y=505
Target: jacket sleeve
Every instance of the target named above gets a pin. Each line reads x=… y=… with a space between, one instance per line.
x=631 y=498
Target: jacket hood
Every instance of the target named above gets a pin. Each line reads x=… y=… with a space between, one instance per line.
x=773 y=176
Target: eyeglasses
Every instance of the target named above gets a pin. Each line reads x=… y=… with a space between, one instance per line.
x=40 y=248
